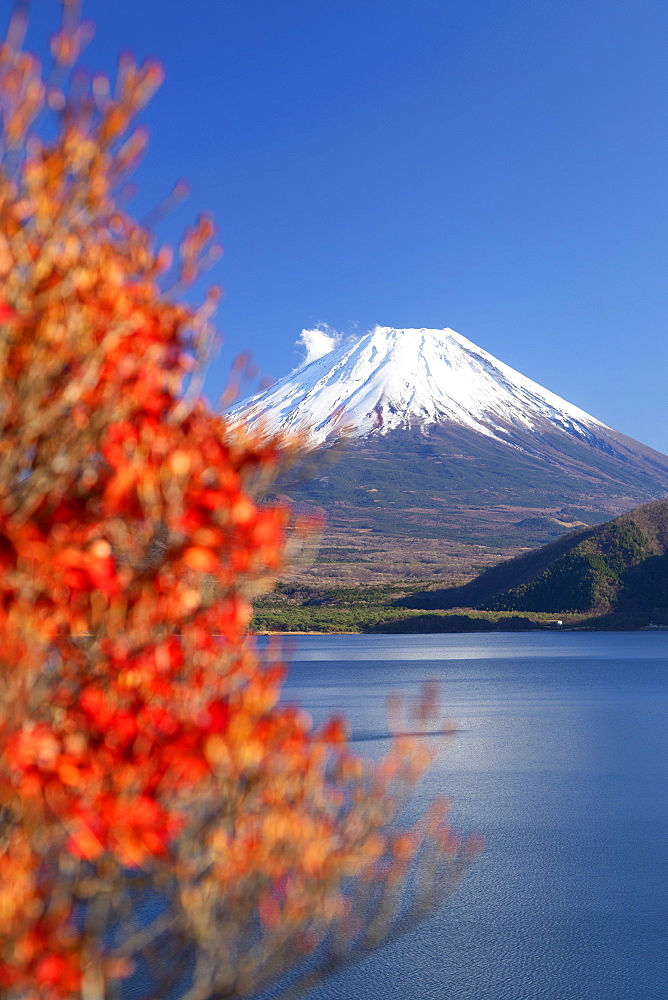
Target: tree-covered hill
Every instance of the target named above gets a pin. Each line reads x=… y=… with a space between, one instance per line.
x=621 y=565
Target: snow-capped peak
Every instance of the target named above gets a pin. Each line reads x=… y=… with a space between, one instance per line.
x=392 y=379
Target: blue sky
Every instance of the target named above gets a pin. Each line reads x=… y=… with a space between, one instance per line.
x=496 y=166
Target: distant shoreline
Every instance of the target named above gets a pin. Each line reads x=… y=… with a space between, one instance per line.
x=472 y=631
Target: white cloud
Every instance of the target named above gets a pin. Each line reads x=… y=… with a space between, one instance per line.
x=318 y=342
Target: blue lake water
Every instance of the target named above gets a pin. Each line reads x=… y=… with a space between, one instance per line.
x=561 y=763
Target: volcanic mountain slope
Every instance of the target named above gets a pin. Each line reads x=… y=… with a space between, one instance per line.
x=430 y=435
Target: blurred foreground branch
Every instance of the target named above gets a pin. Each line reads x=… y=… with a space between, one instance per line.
x=166 y=826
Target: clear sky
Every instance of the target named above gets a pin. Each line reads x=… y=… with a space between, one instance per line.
x=496 y=166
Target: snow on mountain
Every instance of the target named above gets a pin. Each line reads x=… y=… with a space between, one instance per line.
x=394 y=379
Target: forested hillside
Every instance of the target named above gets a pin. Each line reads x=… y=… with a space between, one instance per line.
x=621 y=565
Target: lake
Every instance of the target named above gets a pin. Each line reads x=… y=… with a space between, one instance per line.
x=561 y=763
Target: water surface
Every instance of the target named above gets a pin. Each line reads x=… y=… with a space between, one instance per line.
x=561 y=763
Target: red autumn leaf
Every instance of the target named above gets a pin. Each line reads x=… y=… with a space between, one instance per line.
x=219 y=713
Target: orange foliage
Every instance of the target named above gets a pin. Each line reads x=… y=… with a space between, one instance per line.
x=143 y=752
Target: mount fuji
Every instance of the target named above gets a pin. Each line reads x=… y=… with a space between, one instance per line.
x=393 y=379
x=441 y=439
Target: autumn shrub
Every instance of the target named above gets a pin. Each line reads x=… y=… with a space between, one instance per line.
x=164 y=820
